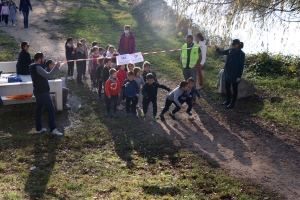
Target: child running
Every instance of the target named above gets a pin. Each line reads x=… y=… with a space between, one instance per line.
x=112 y=91
x=150 y=94
x=131 y=94
x=147 y=70
x=139 y=79
x=188 y=96
x=99 y=77
x=121 y=75
x=93 y=64
x=173 y=98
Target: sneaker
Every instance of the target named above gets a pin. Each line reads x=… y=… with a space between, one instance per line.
x=122 y=106
x=107 y=114
x=189 y=113
x=115 y=114
x=56 y=132
x=127 y=115
x=65 y=107
x=162 y=117
x=155 y=117
x=14 y=25
x=84 y=77
x=69 y=78
x=119 y=108
x=94 y=90
x=172 y=115
x=43 y=130
x=72 y=77
x=143 y=115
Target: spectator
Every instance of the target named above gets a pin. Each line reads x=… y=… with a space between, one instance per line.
x=41 y=91
x=13 y=12
x=24 y=7
x=233 y=70
x=24 y=59
x=127 y=42
x=65 y=91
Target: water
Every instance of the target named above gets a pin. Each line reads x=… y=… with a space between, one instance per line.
x=275 y=36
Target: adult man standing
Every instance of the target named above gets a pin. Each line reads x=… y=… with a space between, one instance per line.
x=190 y=55
x=41 y=91
x=24 y=7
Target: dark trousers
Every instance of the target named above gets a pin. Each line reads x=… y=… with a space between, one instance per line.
x=113 y=99
x=5 y=19
x=131 y=104
x=94 y=78
x=168 y=105
x=65 y=92
x=146 y=102
x=79 y=73
x=188 y=101
x=100 y=88
x=228 y=91
x=44 y=100
x=26 y=16
x=84 y=70
x=1 y=102
x=70 y=68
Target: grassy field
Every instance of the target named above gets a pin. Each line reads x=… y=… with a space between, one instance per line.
x=8 y=48
x=106 y=158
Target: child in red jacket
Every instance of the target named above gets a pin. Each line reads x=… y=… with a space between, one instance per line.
x=112 y=91
x=122 y=76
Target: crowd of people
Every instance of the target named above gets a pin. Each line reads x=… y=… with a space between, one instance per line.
x=130 y=85
x=9 y=10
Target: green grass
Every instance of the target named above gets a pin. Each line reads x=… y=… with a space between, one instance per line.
x=8 y=47
x=104 y=157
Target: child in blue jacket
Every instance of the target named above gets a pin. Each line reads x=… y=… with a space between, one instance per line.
x=132 y=92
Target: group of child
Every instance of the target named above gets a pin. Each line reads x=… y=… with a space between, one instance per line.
x=8 y=10
x=125 y=82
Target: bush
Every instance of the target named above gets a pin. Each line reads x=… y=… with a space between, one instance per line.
x=266 y=64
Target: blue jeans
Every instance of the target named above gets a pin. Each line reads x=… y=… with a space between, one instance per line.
x=25 y=15
x=44 y=100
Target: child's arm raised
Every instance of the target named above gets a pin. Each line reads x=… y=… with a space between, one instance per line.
x=164 y=87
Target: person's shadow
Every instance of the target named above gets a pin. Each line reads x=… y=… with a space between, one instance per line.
x=40 y=150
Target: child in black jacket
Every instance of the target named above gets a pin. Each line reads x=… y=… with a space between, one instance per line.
x=99 y=77
x=105 y=73
x=81 y=64
x=150 y=94
x=70 y=55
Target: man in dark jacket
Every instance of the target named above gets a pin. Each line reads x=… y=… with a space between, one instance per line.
x=41 y=91
x=24 y=7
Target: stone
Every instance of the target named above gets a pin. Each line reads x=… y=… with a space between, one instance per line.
x=245 y=89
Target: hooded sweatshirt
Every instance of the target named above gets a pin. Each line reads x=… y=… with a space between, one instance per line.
x=174 y=95
x=112 y=86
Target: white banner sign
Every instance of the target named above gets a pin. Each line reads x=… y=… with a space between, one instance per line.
x=130 y=58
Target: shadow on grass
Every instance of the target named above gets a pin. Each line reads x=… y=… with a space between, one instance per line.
x=42 y=148
x=155 y=190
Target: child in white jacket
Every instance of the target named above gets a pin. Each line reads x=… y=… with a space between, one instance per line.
x=5 y=13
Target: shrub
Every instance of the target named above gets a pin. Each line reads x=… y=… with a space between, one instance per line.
x=266 y=64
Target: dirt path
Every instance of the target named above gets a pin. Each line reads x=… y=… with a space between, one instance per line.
x=240 y=145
